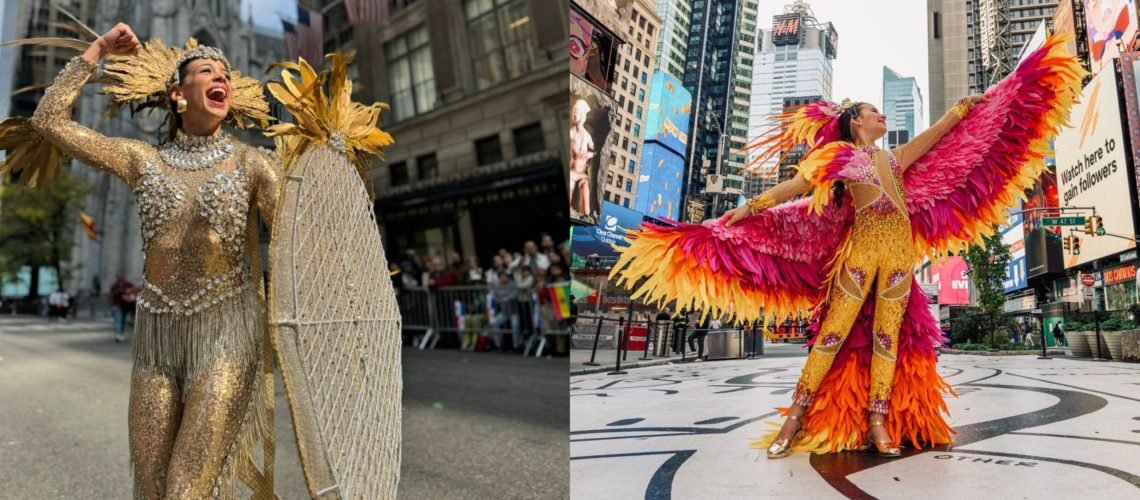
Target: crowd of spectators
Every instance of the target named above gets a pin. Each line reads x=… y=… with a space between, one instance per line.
x=510 y=297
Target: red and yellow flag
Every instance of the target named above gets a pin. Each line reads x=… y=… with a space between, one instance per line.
x=88 y=226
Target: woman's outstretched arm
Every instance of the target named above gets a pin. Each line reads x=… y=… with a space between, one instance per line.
x=53 y=114
x=784 y=191
x=907 y=153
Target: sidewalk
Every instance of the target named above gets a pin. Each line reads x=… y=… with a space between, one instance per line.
x=606 y=358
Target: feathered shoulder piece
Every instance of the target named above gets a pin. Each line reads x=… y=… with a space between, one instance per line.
x=825 y=165
x=812 y=125
x=325 y=117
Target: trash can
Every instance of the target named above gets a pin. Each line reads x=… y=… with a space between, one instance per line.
x=724 y=344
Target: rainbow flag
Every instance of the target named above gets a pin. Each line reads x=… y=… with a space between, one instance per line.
x=560 y=300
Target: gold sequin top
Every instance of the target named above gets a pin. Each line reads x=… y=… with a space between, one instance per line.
x=194 y=198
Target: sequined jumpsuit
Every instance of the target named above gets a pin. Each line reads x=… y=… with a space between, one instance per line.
x=200 y=324
x=880 y=262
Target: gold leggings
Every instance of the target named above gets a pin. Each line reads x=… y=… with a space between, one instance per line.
x=179 y=449
x=192 y=391
x=882 y=256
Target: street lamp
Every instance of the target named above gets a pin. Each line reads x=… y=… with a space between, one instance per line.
x=719 y=160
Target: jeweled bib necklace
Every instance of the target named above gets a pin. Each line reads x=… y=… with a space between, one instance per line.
x=197 y=152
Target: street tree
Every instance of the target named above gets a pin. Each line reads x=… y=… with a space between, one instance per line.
x=988 y=264
x=37 y=226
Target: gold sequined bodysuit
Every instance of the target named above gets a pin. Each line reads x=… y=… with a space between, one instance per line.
x=199 y=333
x=881 y=259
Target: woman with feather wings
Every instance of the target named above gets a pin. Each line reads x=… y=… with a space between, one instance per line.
x=202 y=382
x=848 y=251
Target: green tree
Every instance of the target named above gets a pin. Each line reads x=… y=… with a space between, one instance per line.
x=988 y=264
x=37 y=226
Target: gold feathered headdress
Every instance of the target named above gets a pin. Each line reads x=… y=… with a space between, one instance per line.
x=144 y=80
x=139 y=81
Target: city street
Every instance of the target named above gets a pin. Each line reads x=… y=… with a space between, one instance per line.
x=1026 y=428
x=475 y=425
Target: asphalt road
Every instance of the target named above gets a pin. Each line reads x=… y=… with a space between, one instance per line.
x=475 y=425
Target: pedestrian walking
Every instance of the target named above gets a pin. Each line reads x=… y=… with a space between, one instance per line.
x=1059 y=335
x=122 y=304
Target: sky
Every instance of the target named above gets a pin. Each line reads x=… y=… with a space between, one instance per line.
x=268 y=13
x=872 y=33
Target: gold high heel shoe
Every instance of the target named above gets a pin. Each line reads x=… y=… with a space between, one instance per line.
x=780 y=448
x=883 y=447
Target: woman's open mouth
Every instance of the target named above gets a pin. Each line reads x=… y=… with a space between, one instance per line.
x=217 y=96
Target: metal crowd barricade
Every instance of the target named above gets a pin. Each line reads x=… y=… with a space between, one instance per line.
x=464 y=311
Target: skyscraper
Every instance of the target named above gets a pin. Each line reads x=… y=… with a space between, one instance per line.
x=977 y=39
x=718 y=72
x=673 y=36
x=902 y=103
x=793 y=67
x=632 y=72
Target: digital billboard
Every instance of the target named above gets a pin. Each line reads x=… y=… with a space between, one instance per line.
x=1092 y=168
x=593 y=243
x=1014 y=236
x=951 y=275
x=1111 y=27
x=786 y=29
x=659 y=187
x=1063 y=22
x=592 y=51
x=1043 y=252
x=669 y=110
x=592 y=117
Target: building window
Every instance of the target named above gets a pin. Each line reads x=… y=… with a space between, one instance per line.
x=630 y=166
x=644 y=77
x=628 y=185
x=633 y=148
x=641 y=95
x=398 y=174
x=624 y=142
x=621 y=100
x=609 y=178
x=488 y=150
x=639 y=112
x=428 y=166
x=625 y=203
x=502 y=41
x=411 y=78
x=529 y=139
x=636 y=130
x=627 y=123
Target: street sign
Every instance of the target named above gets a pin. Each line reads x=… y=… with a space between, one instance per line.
x=1088 y=280
x=1062 y=221
x=1088 y=293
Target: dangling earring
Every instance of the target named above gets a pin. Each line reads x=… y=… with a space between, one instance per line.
x=181 y=106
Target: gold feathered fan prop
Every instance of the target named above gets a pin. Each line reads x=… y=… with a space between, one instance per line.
x=138 y=81
x=320 y=118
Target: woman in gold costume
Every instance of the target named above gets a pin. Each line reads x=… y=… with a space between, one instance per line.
x=200 y=331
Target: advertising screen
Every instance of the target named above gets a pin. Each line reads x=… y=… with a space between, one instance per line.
x=953 y=281
x=592 y=51
x=593 y=243
x=1092 y=168
x=1111 y=27
x=1014 y=236
x=1043 y=252
x=659 y=187
x=1063 y=22
x=786 y=29
x=668 y=119
x=592 y=117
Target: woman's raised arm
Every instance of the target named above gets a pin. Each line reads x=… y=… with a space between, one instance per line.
x=907 y=153
x=53 y=114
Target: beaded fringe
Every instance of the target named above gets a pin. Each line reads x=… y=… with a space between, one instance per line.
x=184 y=346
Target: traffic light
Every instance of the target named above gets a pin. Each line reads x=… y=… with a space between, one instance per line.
x=1099 y=225
x=1068 y=243
x=1076 y=245
x=1088 y=225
